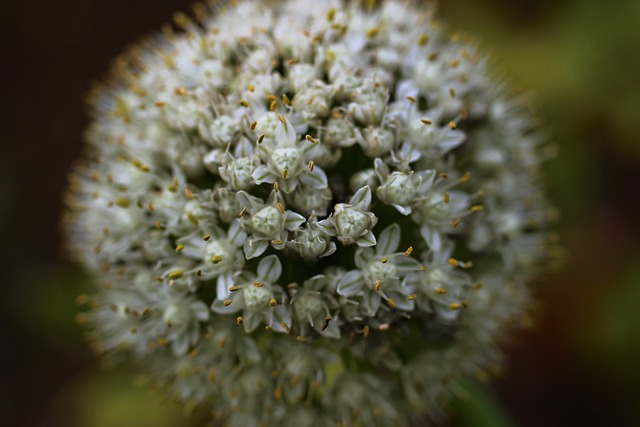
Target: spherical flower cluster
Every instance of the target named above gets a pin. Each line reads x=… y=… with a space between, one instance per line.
x=308 y=212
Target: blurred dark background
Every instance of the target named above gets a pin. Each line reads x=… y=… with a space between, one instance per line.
x=577 y=366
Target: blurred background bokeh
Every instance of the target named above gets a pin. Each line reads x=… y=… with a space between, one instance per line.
x=577 y=366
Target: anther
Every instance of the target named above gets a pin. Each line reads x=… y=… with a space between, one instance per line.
x=452 y=92
x=446 y=197
x=384 y=260
x=239 y=320
x=412 y=99
x=453 y=262
x=452 y=125
x=377 y=285
x=285 y=326
x=150 y=206
x=243 y=212
x=233 y=288
x=258 y=284
x=466 y=177
x=280 y=208
x=206 y=237
x=276 y=242
x=179 y=248
x=325 y=323
x=285 y=173
x=408 y=251
x=423 y=39
x=310 y=139
x=455 y=222
x=227 y=302
x=188 y=193
x=216 y=259
x=311 y=165
x=181 y=91
x=273 y=105
x=455 y=306
x=365 y=331
x=412 y=297
x=260 y=139
x=251 y=88
x=253 y=125
x=175 y=274
x=392 y=303
x=441 y=291
x=426 y=121
x=281 y=118
x=476 y=208
x=285 y=99
x=276 y=188
x=244 y=103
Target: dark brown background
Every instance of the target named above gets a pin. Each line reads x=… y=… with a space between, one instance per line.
x=577 y=367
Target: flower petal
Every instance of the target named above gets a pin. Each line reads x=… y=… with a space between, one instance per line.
x=269 y=269
x=350 y=284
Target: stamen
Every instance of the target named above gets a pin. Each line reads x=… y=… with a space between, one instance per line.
x=227 y=302
x=179 y=248
x=216 y=259
x=311 y=165
x=280 y=207
x=408 y=251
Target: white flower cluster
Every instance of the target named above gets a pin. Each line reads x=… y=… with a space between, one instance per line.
x=308 y=212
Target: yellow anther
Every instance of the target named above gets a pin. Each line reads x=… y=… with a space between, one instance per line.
x=372 y=32
x=477 y=285
x=292 y=61
x=273 y=302
x=443 y=175
x=280 y=208
x=181 y=91
x=276 y=242
x=455 y=222
x=233 y=288
x=331 y=14
x=441 y=291
x=273 y=106
x=412 y=98
x=286 y=327
x=310 y=139
x=384 y=260
x=160 y=104
x=285 y=173
x=140 y=166
x=227 y=302
x=476 y=208
x=162 y=341
x=453 y=262
x=423 y=268
x=408 y=251
x=365 y=331
x=251 y=88
x=311 y=165
x=467 y=264
x=454 y=63
x=465 y=178
x=285 y=99
x=268 y=328
x=150 y=206
x=377 y=285
x=392 y=303
x=244 y=103
x=454 y=306
x=206 y=237
x=426 y=121
x=175 y=274
x=253 y=125
x=193 y=219
x=239 y=320
x=423 y=39
x=242 y=213
x=446 y=197
x=216 y=259
x=452 y=125
x=260 y=139
x=258 y=284
x=277 y=393
x=179 y=248
x=282 y=119
x=276 y=188
x=188 y=193
x=123 y=202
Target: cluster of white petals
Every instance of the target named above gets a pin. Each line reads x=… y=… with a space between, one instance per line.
x=309 y=213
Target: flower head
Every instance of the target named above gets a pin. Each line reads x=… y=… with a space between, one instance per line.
x=292 y=203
